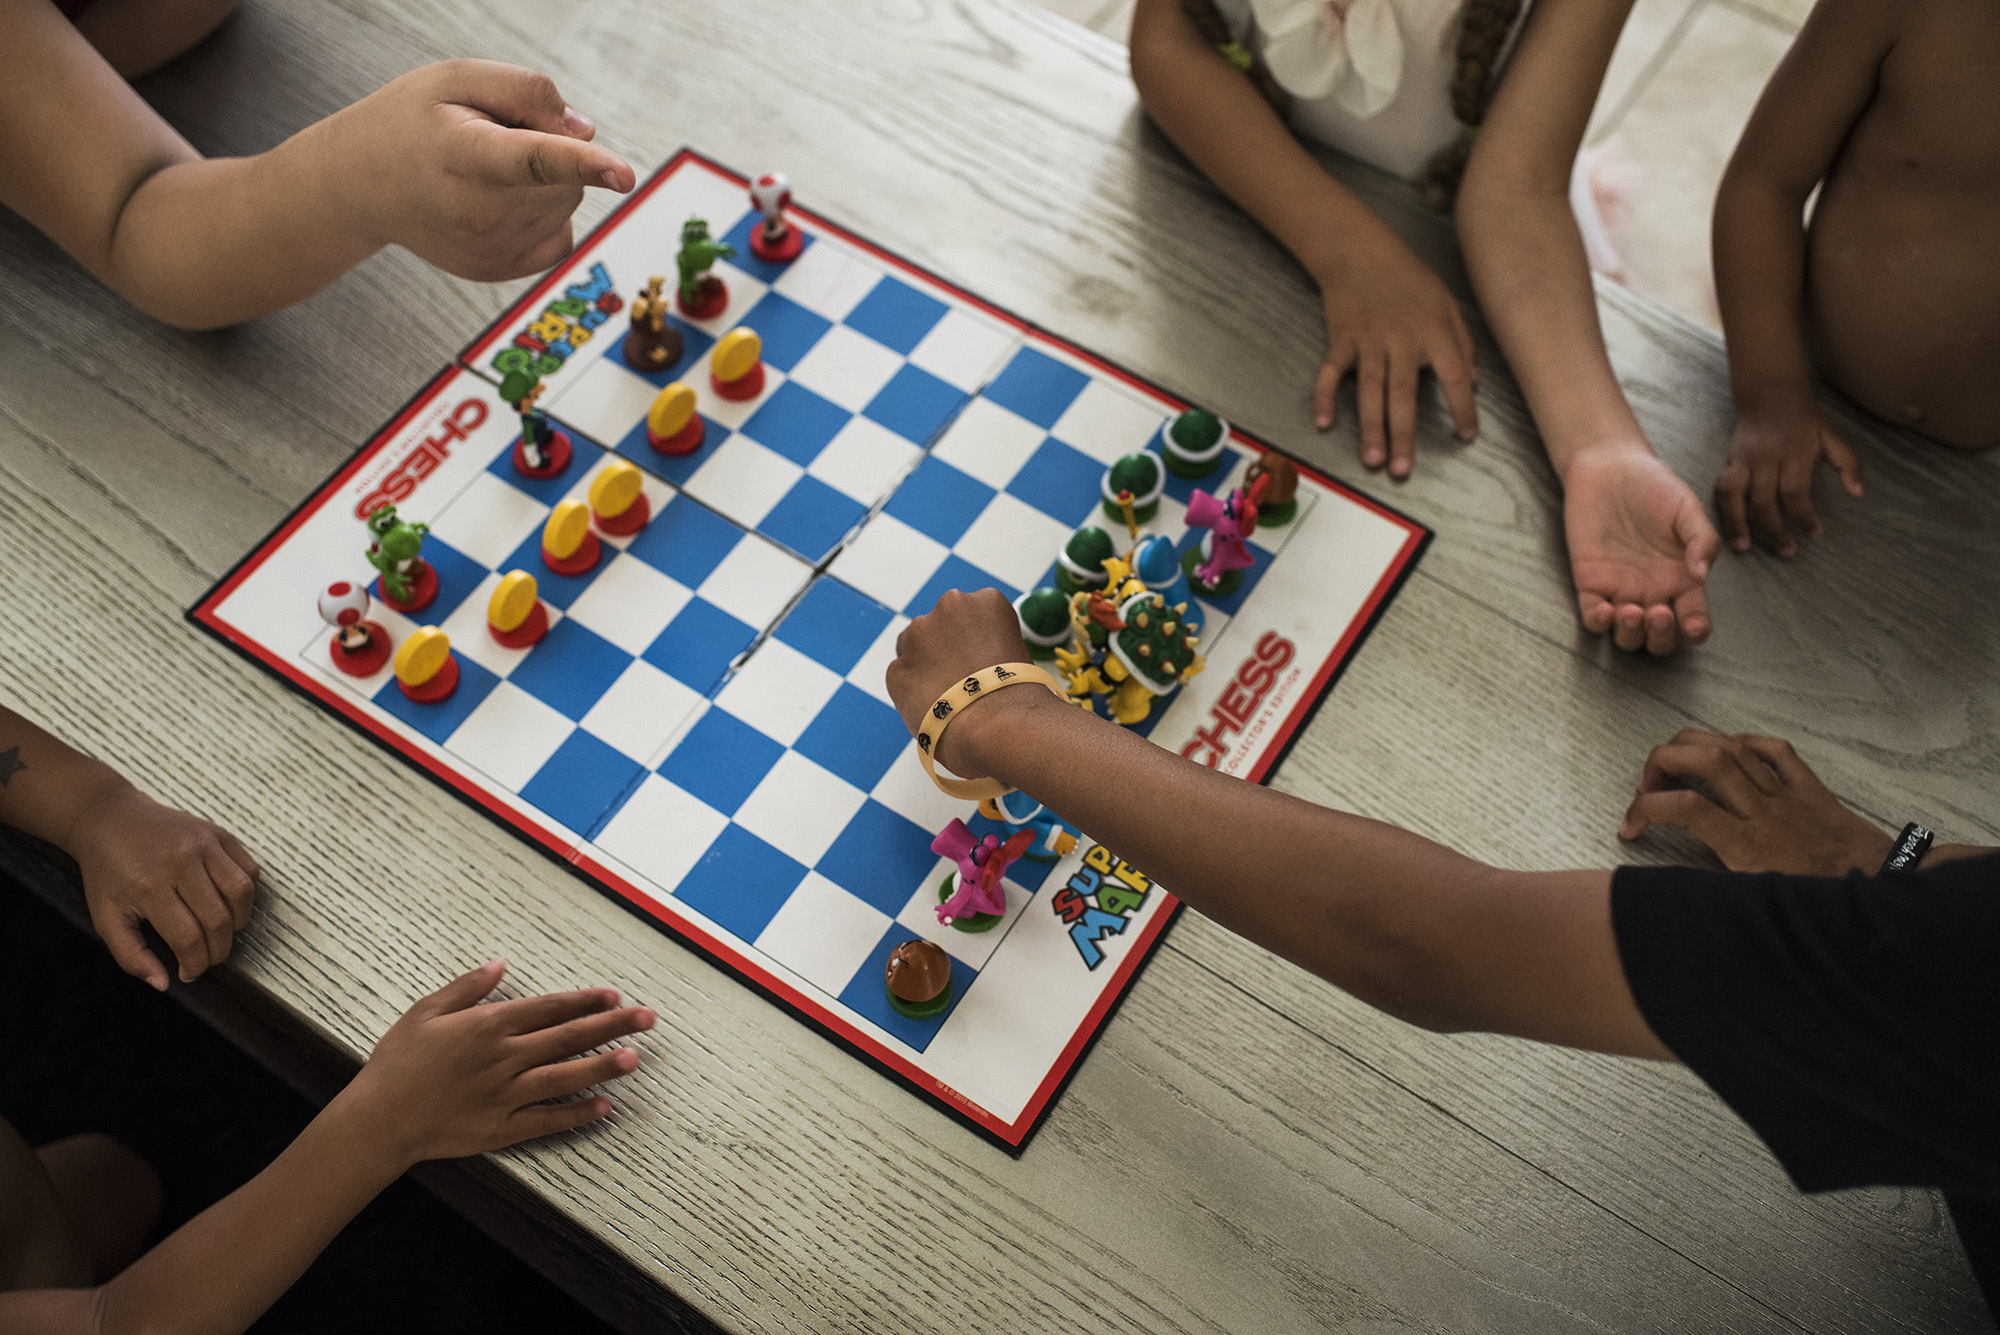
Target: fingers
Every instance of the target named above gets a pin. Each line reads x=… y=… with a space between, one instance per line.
x=1402 y=415
x=234 y=885
x=1690 y=611
x=1662 y=631
x=1371 y=378
x=565 y=1078
x=1698 y=538
x=1845 y=461
x=1795 y=494
x=581 y=1035
x=528 y=1014
x=1767 y=523
x=1455 y=377
x=513 y=95
x=549 y=251
x=1330 y=372
x=1596 y=611
x=1683 y=807
x=237 y=853
x=1732 y=490
x=121 y=936
x=464 y=991
x=1628 y=627
x=1731 y=774
x=511 y=157
x=183 y=935
x=217 y=920
x=547 y=1119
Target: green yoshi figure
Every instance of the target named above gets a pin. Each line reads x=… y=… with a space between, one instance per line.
x=394 y=550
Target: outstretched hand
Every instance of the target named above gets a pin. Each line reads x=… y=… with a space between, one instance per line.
x=1754 y=802
x=963 y=633
x=144 y=862
x=1387 y=318
x=1640 y=547
x=454 y=1077
x=1766 y=484
x=473 y=165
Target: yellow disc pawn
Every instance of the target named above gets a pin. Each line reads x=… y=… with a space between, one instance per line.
x=513 y=599
x=569 y=524
x=613 y=490
x=422 y=656
x=672 y=410
x=736 y=354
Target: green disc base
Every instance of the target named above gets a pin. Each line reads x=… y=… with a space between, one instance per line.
x=1223 y=587
x=1192 y=469
x=1271 y=516
x=920 y=1010
x=1140 y=513
x=972 y=922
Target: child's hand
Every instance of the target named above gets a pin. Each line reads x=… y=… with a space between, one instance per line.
x=1639 y=549
x=453 y=1077
x=1768 y=477
x=1387 y=317
x=1754 y=802
x=962 y=634
x=144 y=862
x=473 y=165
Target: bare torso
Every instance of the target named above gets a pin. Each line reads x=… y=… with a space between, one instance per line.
x=1903 y=259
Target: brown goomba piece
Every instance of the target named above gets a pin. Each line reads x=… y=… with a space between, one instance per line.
x=918 y=971
x=1284 y=475
x=653 y=344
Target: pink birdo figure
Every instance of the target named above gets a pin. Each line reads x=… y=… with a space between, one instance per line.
x=981 y=864
x=359 y=647
x=774 y=240
x=1229 y=524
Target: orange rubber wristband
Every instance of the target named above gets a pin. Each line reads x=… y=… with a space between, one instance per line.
x=955 y=702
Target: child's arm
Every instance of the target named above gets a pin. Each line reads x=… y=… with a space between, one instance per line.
x=472 y=165
x=451 y=1078
x=1813 y=99
x=141 y=861
x=1387 y=315
x=1639 y=542
x=1405 y=924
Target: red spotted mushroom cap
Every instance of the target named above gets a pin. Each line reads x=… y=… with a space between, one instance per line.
x=343 y=602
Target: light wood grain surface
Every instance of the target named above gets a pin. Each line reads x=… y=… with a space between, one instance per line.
x=1246 y=1149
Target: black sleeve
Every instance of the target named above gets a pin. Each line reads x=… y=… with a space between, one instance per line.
x=1854 y=1024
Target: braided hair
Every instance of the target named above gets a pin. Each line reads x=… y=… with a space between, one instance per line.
x=1483 y=29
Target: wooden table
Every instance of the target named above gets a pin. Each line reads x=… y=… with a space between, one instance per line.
x=1247 y=1149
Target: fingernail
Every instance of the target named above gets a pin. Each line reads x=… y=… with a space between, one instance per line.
x=1322 y=421
x=159 y=984
x=609 y=177
x=576 y=122
x=1741 y=544
x=645 y=1019
x=1373 y=458
x=1701 y=570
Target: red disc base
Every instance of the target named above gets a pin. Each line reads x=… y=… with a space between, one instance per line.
x=527 y=633
x=746 y=386
x=423 y=589
x=583 y=558
x=368 y=659
x=437 y=688
x=685 y=441
x=628 y=521
x=555 y=456
x=711 y=298
x=786 y=247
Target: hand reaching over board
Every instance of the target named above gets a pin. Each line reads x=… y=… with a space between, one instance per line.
x=962 y=634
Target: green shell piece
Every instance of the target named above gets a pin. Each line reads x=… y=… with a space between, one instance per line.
x=1090 y=547
x=1137 y=473
x=1045 y=612
x=1195 y=430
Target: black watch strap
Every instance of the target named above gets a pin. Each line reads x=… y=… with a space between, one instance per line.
x=1909 y=849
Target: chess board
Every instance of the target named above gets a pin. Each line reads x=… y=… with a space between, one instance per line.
x=704 y=733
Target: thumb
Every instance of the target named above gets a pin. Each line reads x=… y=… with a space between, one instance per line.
x=464 y=991
x=120 y=933
x=511 y=157
x=1698 y=538
x=1845 y=461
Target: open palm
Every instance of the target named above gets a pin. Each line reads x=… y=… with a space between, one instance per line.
x=1640 y=545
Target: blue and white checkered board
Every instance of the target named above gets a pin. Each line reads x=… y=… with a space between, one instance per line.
x=706 y=720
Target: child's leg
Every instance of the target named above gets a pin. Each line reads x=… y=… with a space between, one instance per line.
x=138 y=36
x=74 y=1214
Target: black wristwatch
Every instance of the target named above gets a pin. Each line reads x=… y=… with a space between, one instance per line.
x=1909 y=848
